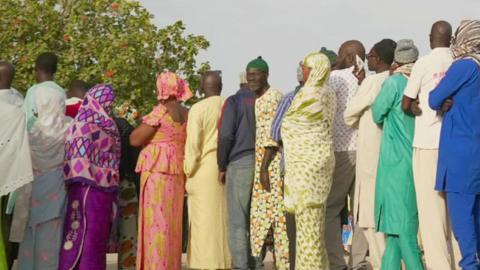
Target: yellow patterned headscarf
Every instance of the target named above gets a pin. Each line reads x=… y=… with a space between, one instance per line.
x=320 y=69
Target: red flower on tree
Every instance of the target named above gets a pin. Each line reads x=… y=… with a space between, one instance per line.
x=115 y=6
x=67 y=37
x=110 y=73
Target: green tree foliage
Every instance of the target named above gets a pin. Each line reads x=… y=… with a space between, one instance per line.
x=98 y=41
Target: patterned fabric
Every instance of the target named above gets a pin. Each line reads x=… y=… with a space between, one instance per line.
x=162 y=188
x=92 y=147
x=128 y=199
x=466 y=42
x=42 y=239
x=405 y=70
x=162 y=153
x=40 y=246
x=309 y=162
x=311 y=249
x=345 y=85
x=169 y=84
x=87 y=228
x=267 y=208
x=307 y=141
x=127 y=225
x=281 y=110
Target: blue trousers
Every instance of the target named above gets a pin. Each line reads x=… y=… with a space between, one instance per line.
x=464 y=212
x=239 y=181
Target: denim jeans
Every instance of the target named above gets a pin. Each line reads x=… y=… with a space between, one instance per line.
x=239 y=181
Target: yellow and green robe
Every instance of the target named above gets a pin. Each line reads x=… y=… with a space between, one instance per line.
x=309 y=163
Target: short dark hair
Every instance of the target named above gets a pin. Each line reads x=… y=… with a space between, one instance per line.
x=79 y=85
x=385 y=50
x=47 y=62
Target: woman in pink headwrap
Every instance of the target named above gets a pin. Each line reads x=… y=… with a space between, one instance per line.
x=163 y=134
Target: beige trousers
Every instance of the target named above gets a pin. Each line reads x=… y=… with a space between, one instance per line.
x=376 y=246
x=439 y=246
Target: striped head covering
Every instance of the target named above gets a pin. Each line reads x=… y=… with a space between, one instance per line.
x=466 y=42
x=170 y=84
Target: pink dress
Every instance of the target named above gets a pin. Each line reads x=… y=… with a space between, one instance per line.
x=162 y=188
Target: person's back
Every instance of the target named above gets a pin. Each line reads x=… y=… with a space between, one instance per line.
x=463 y=128
x=207 y=112
x=236 y=135
x=164 y=151
x=396 y=213
x=396 y=121
x=427 y=72
x=46 y=123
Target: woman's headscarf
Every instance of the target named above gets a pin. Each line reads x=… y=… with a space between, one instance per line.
x=92 y=147
x=466 y=42
x=320 y=69
x=170 y=84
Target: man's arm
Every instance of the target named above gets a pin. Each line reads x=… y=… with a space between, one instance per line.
x=455 y=78
x=226 y=133
x=358 y=104
x=410 y=95
x=384 y=101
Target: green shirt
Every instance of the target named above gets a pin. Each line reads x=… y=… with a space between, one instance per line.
x=395 y=199
x=30 y=105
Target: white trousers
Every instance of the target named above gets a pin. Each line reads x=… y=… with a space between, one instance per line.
x=439 y=246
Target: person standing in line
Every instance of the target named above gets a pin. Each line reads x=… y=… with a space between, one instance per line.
x=458 y=173
x=395 y=202
x=427 y=72
x=236 y=164
x=207 y=206
x=91 y=170
x=15 y=159
x=277 y=137
x=127 y=198
x=267 y=212
x=358 y=114
x=344 y=83
x=309 y=161
x=162 y=183
x=46 y=123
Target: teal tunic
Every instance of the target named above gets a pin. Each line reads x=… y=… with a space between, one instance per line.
x=395 y=201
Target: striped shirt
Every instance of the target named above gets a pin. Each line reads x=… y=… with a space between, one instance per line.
x=281 y=110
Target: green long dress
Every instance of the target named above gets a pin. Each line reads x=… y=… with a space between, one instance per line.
x=3 y=257
x=395 y=200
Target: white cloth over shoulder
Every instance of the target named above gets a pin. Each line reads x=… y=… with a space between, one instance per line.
x=47 y=134
x=15 y=161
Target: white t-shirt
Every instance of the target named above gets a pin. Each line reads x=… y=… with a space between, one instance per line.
x=427 y=72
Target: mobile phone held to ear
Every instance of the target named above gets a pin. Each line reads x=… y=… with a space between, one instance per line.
x=359 y=64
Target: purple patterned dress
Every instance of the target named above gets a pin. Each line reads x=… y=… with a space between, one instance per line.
x=92 y=156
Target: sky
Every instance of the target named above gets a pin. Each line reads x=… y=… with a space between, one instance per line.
x=283 y=32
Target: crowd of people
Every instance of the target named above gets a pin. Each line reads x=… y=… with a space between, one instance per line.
x=396 y=141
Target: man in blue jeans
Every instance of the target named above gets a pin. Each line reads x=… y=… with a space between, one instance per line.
x=236 y=163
